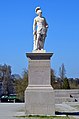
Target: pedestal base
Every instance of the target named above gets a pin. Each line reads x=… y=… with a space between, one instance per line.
x=39 y=95
x=39 y=100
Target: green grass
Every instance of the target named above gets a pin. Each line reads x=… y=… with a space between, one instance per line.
x=43 y=117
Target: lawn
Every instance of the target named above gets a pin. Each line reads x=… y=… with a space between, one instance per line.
x=43 y=117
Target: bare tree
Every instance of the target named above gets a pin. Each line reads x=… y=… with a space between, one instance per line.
x=62 y=72
x=6 y=78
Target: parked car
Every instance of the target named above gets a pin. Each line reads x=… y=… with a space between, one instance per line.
x=10 y=98
x=4 y=98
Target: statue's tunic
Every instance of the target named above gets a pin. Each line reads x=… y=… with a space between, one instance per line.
x=39 y=29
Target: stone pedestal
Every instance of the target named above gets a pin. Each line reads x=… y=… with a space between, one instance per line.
x=39 y=95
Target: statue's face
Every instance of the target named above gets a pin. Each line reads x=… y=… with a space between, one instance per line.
x=40 y=14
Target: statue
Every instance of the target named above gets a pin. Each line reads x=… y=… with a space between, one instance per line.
x=40 y=27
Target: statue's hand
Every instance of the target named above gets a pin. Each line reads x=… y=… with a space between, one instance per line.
x=47 y=26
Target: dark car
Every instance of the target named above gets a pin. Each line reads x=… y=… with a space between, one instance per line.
x=4 y=98
x=10 y=98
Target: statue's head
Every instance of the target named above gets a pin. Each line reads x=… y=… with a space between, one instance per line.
x=38 y=11
x=37 y=8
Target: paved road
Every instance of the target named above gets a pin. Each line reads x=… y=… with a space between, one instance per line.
x=9 y=110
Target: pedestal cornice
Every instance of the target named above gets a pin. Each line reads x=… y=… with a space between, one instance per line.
x=39 y=56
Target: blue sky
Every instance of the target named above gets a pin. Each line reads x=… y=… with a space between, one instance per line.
x=16 y=20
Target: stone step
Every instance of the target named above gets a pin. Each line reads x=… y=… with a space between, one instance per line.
x=59 y=100
x=75 y=95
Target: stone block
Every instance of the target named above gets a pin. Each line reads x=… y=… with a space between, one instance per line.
x=39 y=101
x=39 y=95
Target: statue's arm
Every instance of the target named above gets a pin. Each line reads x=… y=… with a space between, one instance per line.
x=46 y=24
x=34 y=27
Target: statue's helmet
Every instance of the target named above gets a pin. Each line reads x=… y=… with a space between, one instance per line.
x=37 y=8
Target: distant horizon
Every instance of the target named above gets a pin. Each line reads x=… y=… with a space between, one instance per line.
x=16 y=37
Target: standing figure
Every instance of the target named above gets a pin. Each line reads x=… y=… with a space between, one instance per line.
x=39 y=30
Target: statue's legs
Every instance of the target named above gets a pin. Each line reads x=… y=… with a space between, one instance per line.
x=43 y=40
x=35 y=43
x=40 y=41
